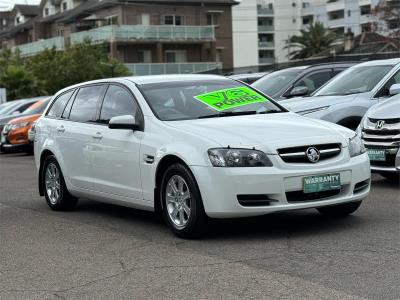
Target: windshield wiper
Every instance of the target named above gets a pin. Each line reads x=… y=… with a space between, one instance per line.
x=238 y=113
x=229 y=114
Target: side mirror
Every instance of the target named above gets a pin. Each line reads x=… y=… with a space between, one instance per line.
x=394 y=89
x=124 y=122
x=299 y=91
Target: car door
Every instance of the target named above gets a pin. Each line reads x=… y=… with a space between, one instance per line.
x=75 y=135
x=116 y=161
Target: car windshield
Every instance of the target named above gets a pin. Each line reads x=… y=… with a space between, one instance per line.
x=272 y=83
x=354 y=81
x=187 y=100
x=37 y=107
x=9 y=107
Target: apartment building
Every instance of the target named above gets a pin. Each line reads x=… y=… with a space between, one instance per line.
x=149 y=36
x=264 y=26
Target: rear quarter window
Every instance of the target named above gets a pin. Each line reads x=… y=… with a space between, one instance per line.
x=59 y=104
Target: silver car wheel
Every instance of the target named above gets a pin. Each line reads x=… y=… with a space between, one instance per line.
x=52 y=183
x=177 y=199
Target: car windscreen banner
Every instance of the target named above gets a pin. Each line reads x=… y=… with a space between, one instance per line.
x=230 y=98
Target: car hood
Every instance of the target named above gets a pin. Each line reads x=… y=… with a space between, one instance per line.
x=389 y=109
x=265 y=132
x=306 y=103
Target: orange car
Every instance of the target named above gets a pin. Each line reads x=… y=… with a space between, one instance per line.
x=15 y=133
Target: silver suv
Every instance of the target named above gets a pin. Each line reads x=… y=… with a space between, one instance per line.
x=380 y=131
x=346 y=98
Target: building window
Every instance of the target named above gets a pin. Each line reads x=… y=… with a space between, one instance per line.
x=64 y=6
x=144 y=56
x=173 y=20
x=212 y=19
x=112 y=20
x=365 y=10
x=349 y=13
x=17 y=19
x=175 y=56
x=46 y=11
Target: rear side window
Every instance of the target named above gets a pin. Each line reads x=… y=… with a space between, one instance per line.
x=85 y=105
x=117 y=102
x=59 y=104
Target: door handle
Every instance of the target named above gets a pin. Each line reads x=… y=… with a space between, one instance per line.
x=97 y=136
x=61 y=128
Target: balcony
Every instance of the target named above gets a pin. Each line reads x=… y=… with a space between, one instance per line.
x=265 y=28
x=265 y=11
x=335 y=5
x=262 y=44
x=30 y=49
x=137 y=33
x=171 y=68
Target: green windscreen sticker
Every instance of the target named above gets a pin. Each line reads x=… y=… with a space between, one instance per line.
x=229 y=98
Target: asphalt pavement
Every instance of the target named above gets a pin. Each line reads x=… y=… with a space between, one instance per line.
x=103 y=251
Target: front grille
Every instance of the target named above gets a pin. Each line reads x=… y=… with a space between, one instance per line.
x=387 y=121
x=386 y=137
x=298 y=154
x=300 y=196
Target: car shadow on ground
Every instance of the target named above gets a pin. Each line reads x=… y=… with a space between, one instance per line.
x=277 y=225
x=382 y=182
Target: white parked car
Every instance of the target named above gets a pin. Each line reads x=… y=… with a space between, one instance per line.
x=380 y=129
x=193 y=147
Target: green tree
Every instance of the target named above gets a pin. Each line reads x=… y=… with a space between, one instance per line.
x=19 y=82
x=81 y=62
x=310 y=42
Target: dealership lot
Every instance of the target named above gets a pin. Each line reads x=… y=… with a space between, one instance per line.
x=108 y=251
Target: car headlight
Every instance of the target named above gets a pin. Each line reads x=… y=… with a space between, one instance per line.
x=356 y=146
x=310 y=111
x=20 y=125
x=226 y=157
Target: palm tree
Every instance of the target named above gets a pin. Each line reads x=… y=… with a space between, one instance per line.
x=310 y=42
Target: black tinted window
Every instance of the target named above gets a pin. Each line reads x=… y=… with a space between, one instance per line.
x=59 y=104
x=85 y=104
x=117 y=102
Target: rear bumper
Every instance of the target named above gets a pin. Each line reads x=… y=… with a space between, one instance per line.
x=220 y=187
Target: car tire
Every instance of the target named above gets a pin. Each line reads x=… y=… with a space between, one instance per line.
x=53 y=184
x=181 y=202
x=340 y=210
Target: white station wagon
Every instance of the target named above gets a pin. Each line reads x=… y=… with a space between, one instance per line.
x=194 y=147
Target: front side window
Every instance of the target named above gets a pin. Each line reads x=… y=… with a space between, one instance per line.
x=59 y=104
x=354 y=81
x=187 y=100
x=385 y=90
x=314 y=81
x=272 y=83
x=85 y=105
x=117 y=102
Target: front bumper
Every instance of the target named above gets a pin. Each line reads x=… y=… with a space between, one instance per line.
x=392 y=167
x=220 y=187
x=5 y=145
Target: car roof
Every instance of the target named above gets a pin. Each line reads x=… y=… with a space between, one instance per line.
x=173 y=78
x=382 y=62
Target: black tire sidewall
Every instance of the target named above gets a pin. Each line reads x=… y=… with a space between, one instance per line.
x=197 y=214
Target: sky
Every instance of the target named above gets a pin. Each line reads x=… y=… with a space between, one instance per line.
x=7 y=4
